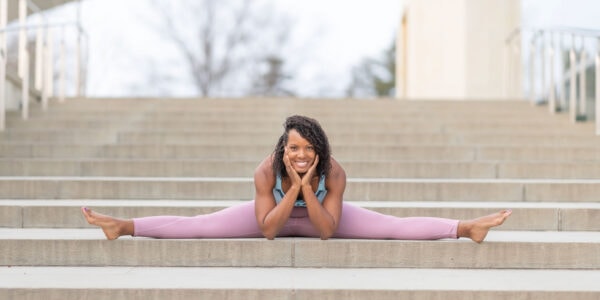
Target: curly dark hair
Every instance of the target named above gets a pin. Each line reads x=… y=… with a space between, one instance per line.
x=311 y=130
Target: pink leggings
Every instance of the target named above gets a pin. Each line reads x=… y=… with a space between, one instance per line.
x=239 y=221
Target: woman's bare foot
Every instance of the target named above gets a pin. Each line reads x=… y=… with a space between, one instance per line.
x=477 y=229
x=113 y=228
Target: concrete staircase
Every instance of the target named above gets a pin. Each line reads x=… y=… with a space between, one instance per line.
x=139 y=157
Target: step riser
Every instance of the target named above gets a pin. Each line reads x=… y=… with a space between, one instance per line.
x=171 y=294
x=421 y=153
x=229 y=152
x=283 y=294
x=244 y=190
x=345 y=140
x=300 y=253
x=228 y=168
x=273 y=124
x=389 y=127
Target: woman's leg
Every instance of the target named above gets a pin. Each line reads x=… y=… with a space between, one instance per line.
x=235 y=221
x=358 y=222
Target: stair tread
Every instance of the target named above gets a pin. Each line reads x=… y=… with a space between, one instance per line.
x=493 y=236
x=395 y=279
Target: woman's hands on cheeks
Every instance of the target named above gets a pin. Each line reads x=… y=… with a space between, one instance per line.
x=296 y=179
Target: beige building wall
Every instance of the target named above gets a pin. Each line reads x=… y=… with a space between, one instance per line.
x=454 y=49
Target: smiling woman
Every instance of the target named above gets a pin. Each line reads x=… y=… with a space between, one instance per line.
x=299 y=192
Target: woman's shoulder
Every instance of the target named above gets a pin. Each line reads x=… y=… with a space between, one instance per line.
x=264 y=170
x=336 y=170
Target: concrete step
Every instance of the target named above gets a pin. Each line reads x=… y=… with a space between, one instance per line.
x=392 y=115
x=259 y=152
x=548 y=216
x=530 y=140
x=247 y=152
x=279 y=105
x=338 y=139
x=384 y=119
x=357 y=189
x=224 y=168
x=406 y=123
x=108 y=283
x=266 y=136
x=540 y=152
x=540 y=121
x=501 y=250
x=212 y=137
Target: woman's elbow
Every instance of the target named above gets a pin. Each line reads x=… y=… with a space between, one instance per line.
x=268 y=234
x=326 y=235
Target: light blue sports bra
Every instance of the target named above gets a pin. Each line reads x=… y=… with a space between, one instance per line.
x=320 y=193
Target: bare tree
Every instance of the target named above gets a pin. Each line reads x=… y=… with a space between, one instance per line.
x=374 y=77
x=271 y=81
x=215 y=38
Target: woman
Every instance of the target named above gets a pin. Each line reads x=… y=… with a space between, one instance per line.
x=299 y=192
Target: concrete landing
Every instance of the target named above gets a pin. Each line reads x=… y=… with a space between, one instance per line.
x=294 y=283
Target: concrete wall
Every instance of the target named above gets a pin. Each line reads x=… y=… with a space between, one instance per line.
x=454 y=49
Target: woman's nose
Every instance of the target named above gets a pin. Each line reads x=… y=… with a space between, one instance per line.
x=301 y=153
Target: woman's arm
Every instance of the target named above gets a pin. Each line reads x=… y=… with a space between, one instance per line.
x=325 y=217
x=271 y=217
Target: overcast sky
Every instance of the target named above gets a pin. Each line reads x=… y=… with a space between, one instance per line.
x=330 y=36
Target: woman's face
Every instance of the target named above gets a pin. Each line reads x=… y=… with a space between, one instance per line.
x=300 y=152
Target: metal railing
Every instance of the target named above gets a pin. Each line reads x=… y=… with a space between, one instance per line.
x=559 y=80
x=43 y=71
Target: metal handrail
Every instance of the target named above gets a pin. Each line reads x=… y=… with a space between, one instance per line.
x=49 y=25
x=43 y=64
x=542 y=44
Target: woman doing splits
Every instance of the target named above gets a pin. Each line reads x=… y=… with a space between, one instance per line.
x=299 y=193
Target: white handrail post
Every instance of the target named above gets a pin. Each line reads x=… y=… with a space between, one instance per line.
x=532 y=71
x=78 y=65
x=505 y=70
x=542 y=67
x=573 y=83
x=563 y=89
x=551 y=93
x=45 y=84
x=2 y=90
x=3 y=20
x=22 y=37
x=39 y=59
x=49 y=69
x=62 y=69
x=598 y=87
x=25 y=89
x=582 y=78
x=78 y=53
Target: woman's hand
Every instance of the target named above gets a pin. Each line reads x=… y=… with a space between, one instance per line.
x=295 y=178
x=306 y=179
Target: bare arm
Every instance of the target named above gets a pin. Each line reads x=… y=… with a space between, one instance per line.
x=326 y=216
x=271 y=217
